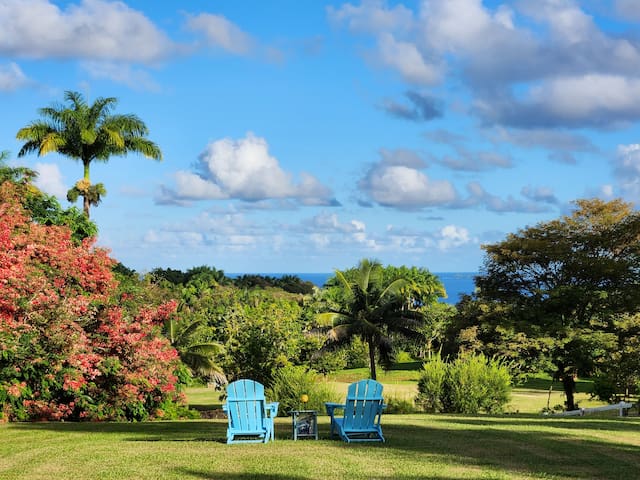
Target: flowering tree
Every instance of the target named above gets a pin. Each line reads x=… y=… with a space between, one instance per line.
x=68 y=350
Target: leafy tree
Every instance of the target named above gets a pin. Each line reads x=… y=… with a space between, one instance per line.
x=367 y=307
x=86 y=133
x=261 y=334
x=556 y=287
x=176 y=277
x=68 y=348
x=45 y=209
x=200 y=356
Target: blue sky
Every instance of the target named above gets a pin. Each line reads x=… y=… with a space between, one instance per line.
x=304 y=136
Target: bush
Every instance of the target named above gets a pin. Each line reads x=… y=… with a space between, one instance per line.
x=357 y=354
x=399 y=405
x=471 y=384
x=291 y=382
x=329 y=362
x=431 y=385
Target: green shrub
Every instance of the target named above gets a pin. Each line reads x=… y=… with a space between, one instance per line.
x=403 y=357
x=399 y=405
x=329 y=362
x=291 y=382
x=431 y=385
x=471 y=384
x=357 y=354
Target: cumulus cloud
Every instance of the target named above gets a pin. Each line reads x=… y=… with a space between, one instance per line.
x=11 y=77
x=452 y=236
x=408 y=60
x=627 y=169
x=540 y=194
x=401 y=185
x=597 y=100
x=628 y=9
x=50 y=180
x=372 y=16
x=421 y=108
x=537 y=63
x=92 y=29
x=221 y=33
x=244 y=169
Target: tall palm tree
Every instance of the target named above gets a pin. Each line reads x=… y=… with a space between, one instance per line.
x=371 y=310
x=86 y=133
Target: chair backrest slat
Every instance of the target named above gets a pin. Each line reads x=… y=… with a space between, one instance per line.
x=362 y=404
x=246 y=405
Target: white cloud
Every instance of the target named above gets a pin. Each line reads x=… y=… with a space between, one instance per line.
x=407 y=59
x=92 y=29
x=542 y=63
x=11 y=77
x=394 y=184
x=221 y=33
x=50 y=180
x=627 y=170
x=243 y=169
x=594 y=95
x=121 y=73
x=452 y=236
x=628 y=9
x=372 y=16
x=404 y=187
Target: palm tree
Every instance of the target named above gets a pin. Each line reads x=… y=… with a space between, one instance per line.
x=371 y=310
x=199 y=356
x=86 y=133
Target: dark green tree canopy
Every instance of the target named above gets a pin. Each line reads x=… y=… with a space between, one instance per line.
x=374 y=303
x=557 y=286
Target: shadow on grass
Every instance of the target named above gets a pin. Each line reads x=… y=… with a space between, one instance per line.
x=578 y=449
x=268 y=476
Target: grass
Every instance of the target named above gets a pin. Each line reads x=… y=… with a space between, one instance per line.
x=441 y=447
x=402 y=383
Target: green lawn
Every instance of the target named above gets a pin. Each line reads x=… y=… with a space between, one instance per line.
x=401 y=383
x=441 y=447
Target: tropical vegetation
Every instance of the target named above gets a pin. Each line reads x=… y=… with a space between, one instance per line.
x=87 y=133
x=84 y=337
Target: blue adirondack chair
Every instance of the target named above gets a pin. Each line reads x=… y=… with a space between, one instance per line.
x=250 y=416
x=362 y=413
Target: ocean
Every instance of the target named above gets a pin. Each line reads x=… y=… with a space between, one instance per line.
x=455 y=283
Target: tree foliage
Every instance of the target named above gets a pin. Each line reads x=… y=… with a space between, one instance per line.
x=367 y=303
x=86 y=133
x=42 y=208
x=552 y=291
x=68 y=349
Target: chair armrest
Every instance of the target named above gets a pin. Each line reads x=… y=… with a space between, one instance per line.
x=272 y=408
x=333 y=406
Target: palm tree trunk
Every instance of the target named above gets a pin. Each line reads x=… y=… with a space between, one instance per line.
x=569 y=384
x=86 y=203
x=372 y=358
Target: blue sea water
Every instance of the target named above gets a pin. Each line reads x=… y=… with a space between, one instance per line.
x=455 y=283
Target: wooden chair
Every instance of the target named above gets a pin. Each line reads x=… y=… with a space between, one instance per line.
x=362 y=413
x=250 y=416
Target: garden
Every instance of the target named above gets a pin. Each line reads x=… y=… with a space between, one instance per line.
x=106 y=372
